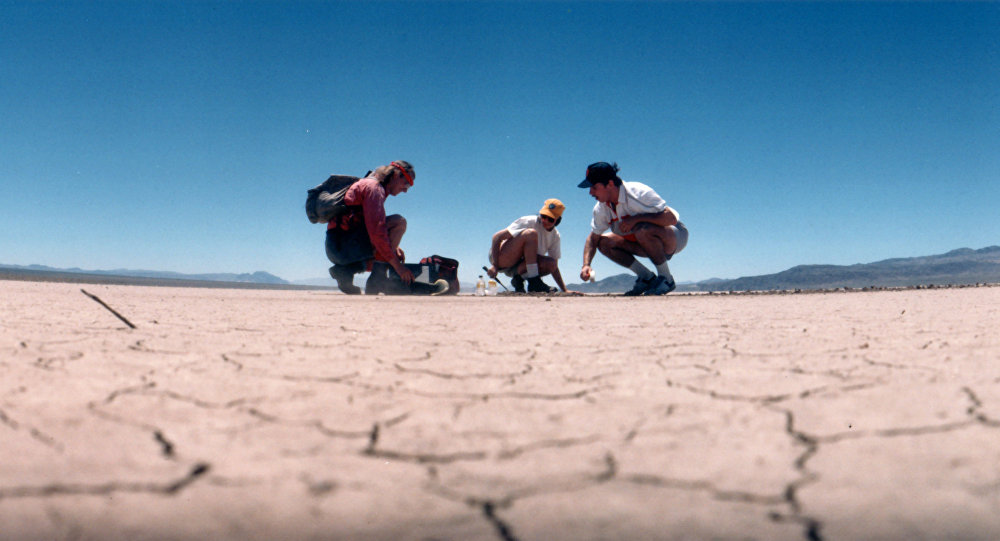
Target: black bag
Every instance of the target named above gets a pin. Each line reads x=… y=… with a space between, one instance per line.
x=326 y=201
x=429 y=278
x=444 y=268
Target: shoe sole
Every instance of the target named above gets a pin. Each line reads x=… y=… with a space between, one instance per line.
x=439 y=287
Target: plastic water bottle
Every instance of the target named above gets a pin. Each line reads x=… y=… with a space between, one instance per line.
x=491 y=287
x=480 y=286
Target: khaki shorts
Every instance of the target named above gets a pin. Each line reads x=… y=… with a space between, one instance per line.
x=681 y=233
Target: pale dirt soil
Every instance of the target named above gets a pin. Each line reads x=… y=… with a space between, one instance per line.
x=256 y=414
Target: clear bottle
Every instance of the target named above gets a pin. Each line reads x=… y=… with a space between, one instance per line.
x=491 y=287
x=480 y=286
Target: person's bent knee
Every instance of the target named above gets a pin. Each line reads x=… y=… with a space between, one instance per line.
x=647 y=232
x=605 y=244
x=547 y=265
x=396 y=225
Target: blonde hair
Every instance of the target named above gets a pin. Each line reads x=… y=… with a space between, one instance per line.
x=384 y=173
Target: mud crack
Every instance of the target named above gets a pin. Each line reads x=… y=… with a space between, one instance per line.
x=418 y=458
x=59 y=489
x=812 y=526
x=502 y=528
x=35 y=434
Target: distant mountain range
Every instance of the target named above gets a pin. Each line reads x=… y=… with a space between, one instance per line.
x=962 y=266
x=258 y=278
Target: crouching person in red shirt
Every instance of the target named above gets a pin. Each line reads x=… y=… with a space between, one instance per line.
x=365 y=238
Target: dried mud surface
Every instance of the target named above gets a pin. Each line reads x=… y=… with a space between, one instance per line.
x=269 y=414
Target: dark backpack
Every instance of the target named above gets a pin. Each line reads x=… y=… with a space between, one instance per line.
x=445 y=268
x=326 y=201
x=426 y=274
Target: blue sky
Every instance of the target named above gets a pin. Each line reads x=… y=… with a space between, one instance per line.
x=183 y=135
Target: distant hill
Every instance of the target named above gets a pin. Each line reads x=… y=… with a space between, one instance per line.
x=618 y=283
x=962 y=266
x=258 y=277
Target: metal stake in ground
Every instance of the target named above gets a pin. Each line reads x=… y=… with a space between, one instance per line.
x=497 y=279
x=110 y=309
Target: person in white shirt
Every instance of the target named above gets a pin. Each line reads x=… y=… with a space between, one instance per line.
x=529 y=248
x=641 y=224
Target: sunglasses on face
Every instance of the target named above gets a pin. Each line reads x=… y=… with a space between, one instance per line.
x=547 y=218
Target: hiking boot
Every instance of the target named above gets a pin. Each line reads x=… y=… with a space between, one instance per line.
x=661 y=286
x=344 y=275
x=639 y=288
x=518 y=283
x=377 y=279
x=536 y=285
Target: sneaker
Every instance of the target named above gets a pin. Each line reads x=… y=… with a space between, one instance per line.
x=518 y=283
x=440 y=287
x=639 y=288
x=345 y=279
x=661 y=286
x=536 y=285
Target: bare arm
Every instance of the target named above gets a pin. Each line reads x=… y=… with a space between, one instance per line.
x=589 y=250
x=557 y=276
x=405 y=274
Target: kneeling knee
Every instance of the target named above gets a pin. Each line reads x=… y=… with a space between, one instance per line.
x=395 y=220
x=604 y=245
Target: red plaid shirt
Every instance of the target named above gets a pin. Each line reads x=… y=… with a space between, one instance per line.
x=367 y=201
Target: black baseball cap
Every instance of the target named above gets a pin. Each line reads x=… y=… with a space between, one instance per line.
x=599 y=173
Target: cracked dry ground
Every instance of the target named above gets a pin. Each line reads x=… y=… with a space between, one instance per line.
x=235 y=414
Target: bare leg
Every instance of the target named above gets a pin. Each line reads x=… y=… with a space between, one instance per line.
x=396 y=225
x=520 y=249
x=656 y=242
x=653 y=242
x=546 y=265
x=530 y=247
x=617 y=249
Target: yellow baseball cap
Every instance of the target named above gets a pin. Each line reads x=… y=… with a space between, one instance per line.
x=553 y=208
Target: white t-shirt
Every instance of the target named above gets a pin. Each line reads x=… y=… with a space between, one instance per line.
x=634 y=198
x=548 y=241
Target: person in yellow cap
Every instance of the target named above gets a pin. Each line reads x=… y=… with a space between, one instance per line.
x=530 y=248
